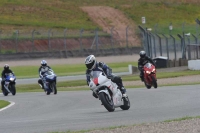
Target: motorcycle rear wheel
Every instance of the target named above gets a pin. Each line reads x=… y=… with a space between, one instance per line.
x=5 y=93
x=108 y=104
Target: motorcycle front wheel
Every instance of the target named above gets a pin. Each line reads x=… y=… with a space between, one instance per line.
x=53 y=87
x=13 y=89
x=108 y=103
x=155 y=85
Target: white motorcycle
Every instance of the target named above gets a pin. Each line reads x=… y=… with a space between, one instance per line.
x=108 y=92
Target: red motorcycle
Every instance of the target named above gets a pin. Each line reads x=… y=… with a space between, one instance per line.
x=150 y=76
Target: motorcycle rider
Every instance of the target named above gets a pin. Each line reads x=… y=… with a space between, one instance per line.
x=42 y=69
x=3 y=74
x=142 y=61
x=92 y=65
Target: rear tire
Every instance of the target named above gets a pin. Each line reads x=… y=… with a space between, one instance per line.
x=108 y=104
x=155 y=85
x=126 y=105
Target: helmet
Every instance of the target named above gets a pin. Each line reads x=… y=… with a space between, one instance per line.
x=43 y=63
x=90 y=62
x=142 y=54
x=6 y=67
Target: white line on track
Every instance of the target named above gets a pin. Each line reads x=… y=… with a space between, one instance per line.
x=11 y=104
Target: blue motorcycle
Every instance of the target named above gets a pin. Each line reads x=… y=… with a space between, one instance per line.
x=49 y=81
x=9 y=85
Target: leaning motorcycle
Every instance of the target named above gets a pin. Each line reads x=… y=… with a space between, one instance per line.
x=150 y=76
x=49 y=81
x=9 y=85
x=108 y=92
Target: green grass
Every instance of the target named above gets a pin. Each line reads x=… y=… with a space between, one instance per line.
x=60 y=14
x=66 y=69
x=3 y=103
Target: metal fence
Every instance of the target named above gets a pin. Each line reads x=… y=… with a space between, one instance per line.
x=42 y=40
x=185 y=45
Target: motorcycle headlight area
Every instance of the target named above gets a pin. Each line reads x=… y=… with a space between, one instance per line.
x=148 y=72
x=12 y=79
x=50 y=76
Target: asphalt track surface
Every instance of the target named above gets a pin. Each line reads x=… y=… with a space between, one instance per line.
x=78 y=110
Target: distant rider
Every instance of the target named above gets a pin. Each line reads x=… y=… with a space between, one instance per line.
x=3 y=74
x=92 y=65
x=43 y=68
x=142 y=61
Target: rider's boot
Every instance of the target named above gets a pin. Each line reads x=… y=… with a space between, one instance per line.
x=95 y=95
x=123 y=90
x=142 y=78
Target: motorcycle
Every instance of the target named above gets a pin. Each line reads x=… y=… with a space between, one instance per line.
x=9 y=85
x=150 y=76
x=108 y=92
x=49 y=81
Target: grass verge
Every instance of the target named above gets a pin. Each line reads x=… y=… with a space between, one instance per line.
x=66 y=69
x=3 y=103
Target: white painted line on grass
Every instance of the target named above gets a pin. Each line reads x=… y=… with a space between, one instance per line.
x=11 y=104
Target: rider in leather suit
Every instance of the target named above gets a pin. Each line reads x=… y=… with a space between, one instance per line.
x=142 y=61
x=43 y=68
x=92 y=65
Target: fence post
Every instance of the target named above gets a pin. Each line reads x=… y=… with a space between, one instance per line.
x=49 y=43
x=81 y=33
x=174 y=47
x=33 y=45
x=166 y=38
x=65 y=41
x=16 y=39
x=182 y=47
x=127 y=36
x=196 y=41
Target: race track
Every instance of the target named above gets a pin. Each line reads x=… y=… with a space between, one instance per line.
x=78 y=110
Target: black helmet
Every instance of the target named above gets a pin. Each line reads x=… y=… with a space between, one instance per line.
x=142 y=54
x=90 y=62
x=43 y=63
x=6 y=67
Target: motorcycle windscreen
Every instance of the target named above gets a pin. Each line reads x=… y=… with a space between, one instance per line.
x=148 y=66
x=98 y=77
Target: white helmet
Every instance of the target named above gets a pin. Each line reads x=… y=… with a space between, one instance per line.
x=90 y=62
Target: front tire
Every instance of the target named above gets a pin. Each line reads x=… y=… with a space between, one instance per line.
x=108 y=104
x=53 y=88
x=155 y=85
x=13 y=89
x=147 y=86
x=126 y=105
